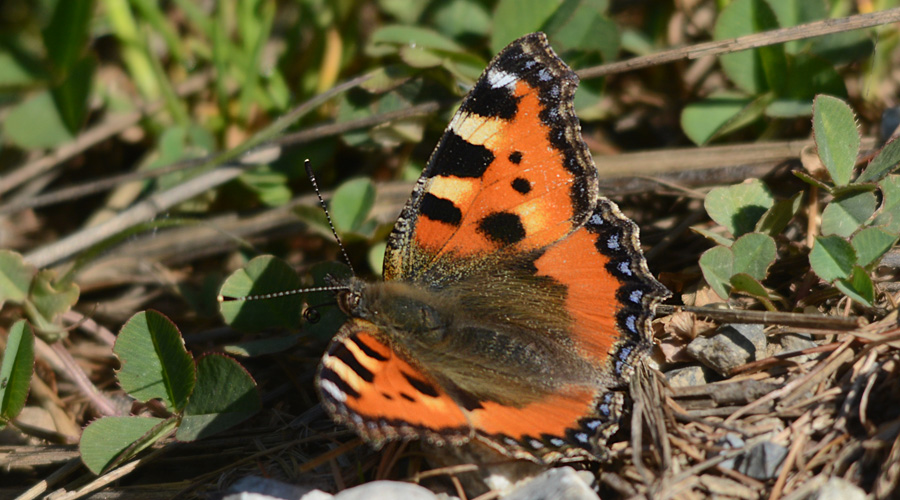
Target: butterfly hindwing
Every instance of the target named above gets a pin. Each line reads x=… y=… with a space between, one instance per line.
x=368 y=386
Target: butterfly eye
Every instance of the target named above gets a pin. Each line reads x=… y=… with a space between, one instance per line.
x=349 y=301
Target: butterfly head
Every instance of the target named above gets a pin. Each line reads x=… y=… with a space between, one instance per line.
x=397 y=309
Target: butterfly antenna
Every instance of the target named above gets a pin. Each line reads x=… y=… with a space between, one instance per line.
x=274 y=295
x=312 y=178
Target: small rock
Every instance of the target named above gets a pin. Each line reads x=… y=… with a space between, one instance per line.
x=385 y=490
x=562 y=484
x=729 y=442
x=733 y=346
x=792 y=342
x=762 y=462
x=839 y=489
x=257 y=488
x=688 y=376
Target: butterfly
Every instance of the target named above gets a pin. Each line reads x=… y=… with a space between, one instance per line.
x=516 y=301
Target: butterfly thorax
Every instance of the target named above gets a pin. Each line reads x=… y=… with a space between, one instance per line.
x=438 y=333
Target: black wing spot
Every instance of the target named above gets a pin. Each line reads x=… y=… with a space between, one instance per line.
x=458 y=157
x=366 y=349
x=515 y=157
x=502 y=227
x=421 y=385
x=490 y=102
x=342 y=386
x=521 y=185
x=440 y=210
x=363 y=372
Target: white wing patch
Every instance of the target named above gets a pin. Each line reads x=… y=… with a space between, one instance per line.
x=499 y=79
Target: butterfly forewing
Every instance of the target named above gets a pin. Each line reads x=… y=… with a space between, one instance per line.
x=510 y=173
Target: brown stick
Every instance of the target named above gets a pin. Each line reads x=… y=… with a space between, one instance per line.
x=809 y=30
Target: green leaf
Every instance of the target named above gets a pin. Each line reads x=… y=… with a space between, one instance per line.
x=464 y=67
x=889 y=215
x=105 y=441
x=753 y=254
x=743 y=282
x=411 y=36
x=810 y=75
x=858 y=287
x=788 y=108
x=15 y=277
x=421 y=57
x=16 y=370
x=71 y=97
x=832 y=257
x=459 y=18
x=262 y=347
x=407 y=11
x=795 y=12
x=65 y=37
x=703 y=120
x=754 y=71
x=846 y=213
x=714 y=237
x=739 y=207
x=779 y=215
x=581 y=25
x=269 y=185
x=14 y=72
x=717 y=265
x=871 y=243
x=351 y=204
x=225 y=396
x=387 y=78
x=264 y=275
x=845 y=48
x=376 y=257
x=514 y=18
x=883 y=164
x=19 y=125
x=836 y=136
x=51 y=299
x=812 y=181
x=155 y=363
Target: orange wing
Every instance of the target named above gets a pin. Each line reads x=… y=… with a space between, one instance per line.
x=369 y=387
x=610 y=300
x=510 y=173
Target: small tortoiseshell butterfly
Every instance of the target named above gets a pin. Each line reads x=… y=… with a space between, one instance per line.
x=516 y=300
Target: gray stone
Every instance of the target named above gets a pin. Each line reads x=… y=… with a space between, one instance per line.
x=555 y=484
x=839 y=489
x=386 y=490
x=733 y=346
x=762 y=462
x=260 y=488
x=792 y=342
x=689 y=376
